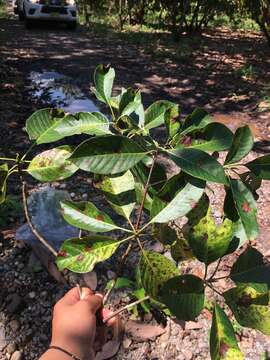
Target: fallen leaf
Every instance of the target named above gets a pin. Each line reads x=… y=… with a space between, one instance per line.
x=141 y=331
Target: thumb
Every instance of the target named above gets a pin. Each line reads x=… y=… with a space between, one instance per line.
x=94 y=302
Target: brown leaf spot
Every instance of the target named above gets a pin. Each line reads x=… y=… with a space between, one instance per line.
x=223 y=349
x=88 y=249
x=100 y=217
x=186 y=140
x=245 y=301
x=62 y=253
x=246 y=207
x=80 y=257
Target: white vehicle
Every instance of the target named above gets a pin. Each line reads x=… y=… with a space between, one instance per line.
x=49 y=10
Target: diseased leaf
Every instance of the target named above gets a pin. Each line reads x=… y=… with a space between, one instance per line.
x=182 y=203
x=246 y=208
x=154 y=270
x=251 y=267
x=223 y=343
x=39 y=122
x=199 y=164
x=3 y=182
x=209 y=241
x=86 y=216
x=52 y=165
x=155 y=114
x=120 y=193
x=82 y=254
x=107 y=155
x=241 y=146
x=184 y=296
x=103 y=79
x=260 y=167
x=89 y=123
x=250 y=306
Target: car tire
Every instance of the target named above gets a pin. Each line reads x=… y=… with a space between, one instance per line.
x=72 y=25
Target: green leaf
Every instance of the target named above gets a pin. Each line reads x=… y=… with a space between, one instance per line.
x=172 y=123
x=155 y=113
x=3 y=182
x=209 y=241
x=39 y=122
x=251 y=267
x=260 y=167
x=246 y=208
x=120 y=283
x=131 y=105
x=107 y=155
x=214 y=137
x=241 y=146
x=154 y=270
x=223 y=343
x=182 y=203
x=82 y=254
x=103 y=79
x=172 y=186
x=250 y=306
x=93 y=123
x=120 y=193
x=199 y=164
x=86 y=216
x=184 y=296
x=195 y=121
x=52 y=165
x=199 y=211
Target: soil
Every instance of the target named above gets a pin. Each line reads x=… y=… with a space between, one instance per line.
x=207 y=74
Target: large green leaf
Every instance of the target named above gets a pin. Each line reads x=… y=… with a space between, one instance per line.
x=246 y=208
x=260 y=167
x=251 y=267
x=182 y=203
x=52 y=165
x=172 y=186
x=184 y=296
x=120 y=193
x=209 y=241
x=223 y=343
x=103 y=79
x=172 y=123
x=93 y=123
x=250 y=306
x=199 y=211
x=214 y=137
x=3 y=182
x=195 y=121
x=39 y=122
x=82 y=254
x=131 y=105
x=241 y=146
x=154 y=270
x=199 y=164
x=155 y=113
x=107 y=155
x=86 y=216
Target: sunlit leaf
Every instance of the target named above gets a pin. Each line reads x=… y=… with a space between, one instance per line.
x=155 y=269
x=107 y=155
x=103 y=79
x=3 y=182
x=52 y=165
x=184 y=296
x=155 y=114
x=223 y=343
x=87 y=216
x=82 y=254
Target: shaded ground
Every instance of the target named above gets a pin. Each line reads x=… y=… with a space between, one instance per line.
x=208 y=72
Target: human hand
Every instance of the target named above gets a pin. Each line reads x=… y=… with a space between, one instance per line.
x=74 y=322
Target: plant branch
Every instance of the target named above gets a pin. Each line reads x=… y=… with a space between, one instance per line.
x=34 y=230
x=117 y=312
x=216 y=269
x=212 y=287
x=8 y=159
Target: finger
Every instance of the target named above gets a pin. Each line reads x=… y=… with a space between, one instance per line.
x=85 y=292
x=106 y=313
x=94 y=302
x=71 y=297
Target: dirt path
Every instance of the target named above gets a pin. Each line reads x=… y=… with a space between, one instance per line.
x=206 y=72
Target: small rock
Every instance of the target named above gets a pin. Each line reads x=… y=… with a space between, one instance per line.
x=17 y=355
x=187 y=354
x=63 y=186
x=85 y=196
x=11 y=348
x=111 y=274
x=43 y=293
x=14 y=303
x=126 y=343
x=14 y=325
x=32 y=295
x=72 y=194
